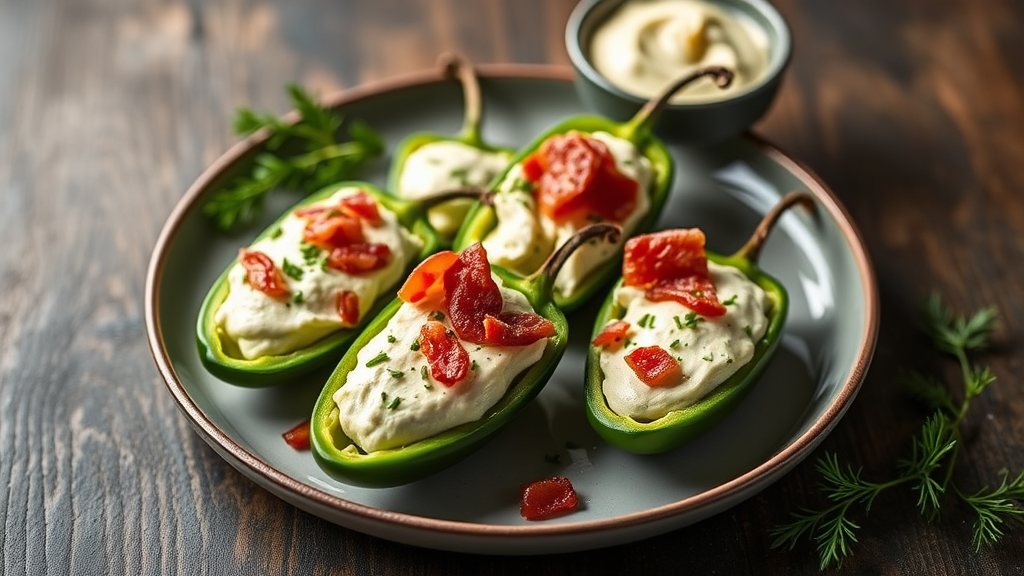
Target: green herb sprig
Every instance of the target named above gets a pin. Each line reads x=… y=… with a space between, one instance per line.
x=928 y=471
x=320 y=159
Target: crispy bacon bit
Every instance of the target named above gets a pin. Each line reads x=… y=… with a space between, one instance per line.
x=363 y=206
x=447 y=358
x=547 y=498
x=516 y=329
x=262 y=274
x=697 y=294
x=665 y=255
x=654 y=366
x=330 y=229
x=672 y=265
x=347 y=304
x=613 y=335
x=426 y=279
x=471 y=294
x=359 y=258
x=298 y=437
x=576 y=175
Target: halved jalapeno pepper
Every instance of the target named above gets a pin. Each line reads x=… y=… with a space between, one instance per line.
x=394 y=356
x=570 y=175
x=678 y=426
x=221 y=355
x=428 y=162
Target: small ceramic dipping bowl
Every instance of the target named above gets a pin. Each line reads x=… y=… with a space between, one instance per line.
x=700 y=120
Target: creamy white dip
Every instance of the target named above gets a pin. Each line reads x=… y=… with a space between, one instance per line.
x=394 y=402
x=524 y=237
x=646 y=45
x=447 y=165
x=709 y=350
x=264 y=326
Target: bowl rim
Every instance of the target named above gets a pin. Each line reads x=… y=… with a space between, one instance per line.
x=780 y=53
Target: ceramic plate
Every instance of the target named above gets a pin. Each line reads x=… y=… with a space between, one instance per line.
x=473 y=506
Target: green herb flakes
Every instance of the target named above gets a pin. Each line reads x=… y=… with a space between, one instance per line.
x=378 y=359
x=291 y=270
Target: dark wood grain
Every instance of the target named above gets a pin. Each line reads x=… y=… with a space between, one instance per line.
x=913 y=111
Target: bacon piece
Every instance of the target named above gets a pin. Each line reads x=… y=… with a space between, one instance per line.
x=262 y=274
x=696 y=293
x=298 y=437
x=359 y=258
x=654 y=366
x=447 y=358
x=363 y=206
x=576 y=175
x=347 y=304
x=331 y=229
x=516 y=329
x=665 y=255
x=547 y=498
x=471 y=294
x=426 y=279
x=613 y=335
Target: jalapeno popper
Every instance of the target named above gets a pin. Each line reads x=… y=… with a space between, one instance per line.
x=682 y=337
x=295 y=297
x=585 y=170
x=464 y=348
x=427 y=163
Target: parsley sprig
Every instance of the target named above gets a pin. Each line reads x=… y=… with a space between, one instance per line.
x=314 y=158
x=928 y=471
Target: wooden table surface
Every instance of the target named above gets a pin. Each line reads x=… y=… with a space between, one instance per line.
x=912 y=110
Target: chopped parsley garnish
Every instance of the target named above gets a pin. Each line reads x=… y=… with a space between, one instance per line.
x=298 y=298
x=379 y=358
x=461 y=175
x=730 y=301
x=748 y=330
x=437 y=315
x=394 y=403
x=644 y=320
x=674 y=344
x=276 y=232
x=392 y=339
x=709 y=357
x=291 y=270
x=396 y=373
x=415 y=346
x=310 y=252
x=423 y=372
x=691 y=319
x=473 y=366
x=679 y=323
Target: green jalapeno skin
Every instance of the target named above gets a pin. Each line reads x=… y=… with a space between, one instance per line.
x=338 y=456
x=470 y=135
x=681 y=426
x=215 y=351
x=482 y=218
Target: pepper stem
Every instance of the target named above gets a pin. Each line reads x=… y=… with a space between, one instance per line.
x=641 y=123
x=472 y=192
x=457 y=66
x=751 y=251
x=557 y=259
